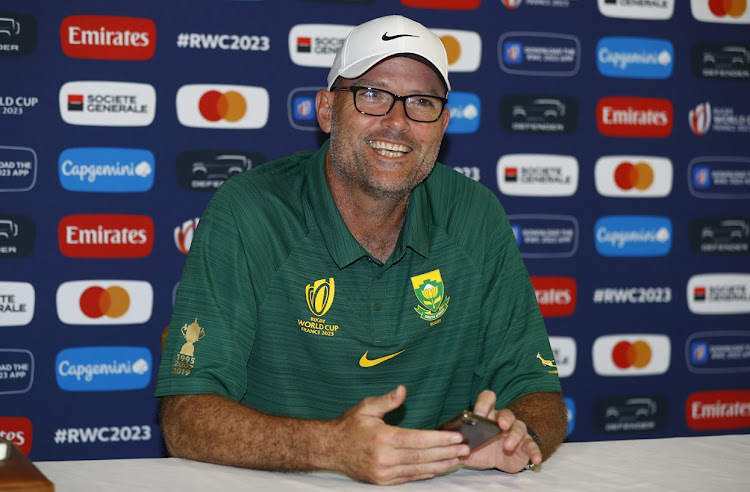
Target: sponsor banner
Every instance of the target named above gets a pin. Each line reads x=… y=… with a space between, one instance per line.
x=545 y=114
x=301 y=109
x=719 y=293
x=183 y=234
x=107 y=37
x=635 y=9
x=103 y=368
x=633 y=176
x=632 y=295
x=718 y=352
x=17 y=105
x=17 y=235
x=18 y=34
x=472 y=172
x=19 y=431
x=718 y=410
x=104 y=302
x=644 y=117
x=17 y=301
x=315 y=45
x=635 y=58
x=545 y=236
x=539 y=53
x=106 y=236
x=564 y=350
x=631 y=414
x=719 y=177
x=631 y=355
x=633 y=235
x=464 y=49
x=466 y=111
x=206 y=170
x=556 y=296
x=106 y=169
x=726 y=61
x=570 y=411
x=224 y=42
x=706 y=117
x=720 y=235
x=514 y=4
x=18 y=166
x=541 y=175
x=222 y=106
x=95 y=103
x=112 y=434
x=724 y=12
x=443 y=4
x=16 y=371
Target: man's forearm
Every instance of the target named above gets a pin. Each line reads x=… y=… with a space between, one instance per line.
x=545 y=414
x=215 y=429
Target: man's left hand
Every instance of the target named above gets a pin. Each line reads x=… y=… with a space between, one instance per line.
x=513 y=449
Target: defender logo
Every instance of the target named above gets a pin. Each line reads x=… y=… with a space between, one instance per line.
x=430 y=293
x=721 y=61
x=18 y=34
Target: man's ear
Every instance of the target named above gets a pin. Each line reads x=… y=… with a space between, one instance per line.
x=324 y=109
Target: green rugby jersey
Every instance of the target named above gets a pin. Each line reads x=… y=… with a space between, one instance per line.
x=281 y=309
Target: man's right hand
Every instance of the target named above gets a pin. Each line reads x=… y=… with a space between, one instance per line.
x=365 y=448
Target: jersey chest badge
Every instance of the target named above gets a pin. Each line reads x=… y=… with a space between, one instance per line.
x=430 y=292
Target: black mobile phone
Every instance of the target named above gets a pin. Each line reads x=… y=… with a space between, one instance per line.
x=476 y=430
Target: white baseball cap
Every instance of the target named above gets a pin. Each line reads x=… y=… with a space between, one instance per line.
x=378 y=39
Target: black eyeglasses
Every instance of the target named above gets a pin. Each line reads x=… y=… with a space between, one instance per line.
x=379 y=102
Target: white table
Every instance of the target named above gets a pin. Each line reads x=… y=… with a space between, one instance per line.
x=711 y=463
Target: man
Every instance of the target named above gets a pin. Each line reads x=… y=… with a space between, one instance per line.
x=318 y=283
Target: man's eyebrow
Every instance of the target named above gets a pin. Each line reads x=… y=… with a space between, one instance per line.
x=364 y=82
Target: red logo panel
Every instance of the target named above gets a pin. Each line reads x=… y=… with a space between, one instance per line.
x=18 y=431
x=645 y=117
x=106 y=236
x=556 y=295
x=718 y=410
x=107 y=37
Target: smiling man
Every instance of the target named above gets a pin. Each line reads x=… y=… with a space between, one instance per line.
x=337 y=306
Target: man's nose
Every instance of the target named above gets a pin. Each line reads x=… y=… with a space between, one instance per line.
x=396 y=117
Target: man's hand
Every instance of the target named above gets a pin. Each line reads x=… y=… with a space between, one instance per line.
x=513 y=449
x=370 y=450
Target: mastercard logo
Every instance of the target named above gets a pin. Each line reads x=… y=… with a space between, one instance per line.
x=631 y=354
x=112 y=302
x=452 y=48
x=639 y=176
x=636 y=354
x=229 y=106
x=463 y=49
x=222 y=106
x=732 y=8
x=104 y=302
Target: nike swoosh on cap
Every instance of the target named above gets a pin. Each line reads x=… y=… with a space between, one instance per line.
x=365 y=362
x=386 y=37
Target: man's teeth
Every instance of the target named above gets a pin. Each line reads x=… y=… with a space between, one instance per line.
x=388 y=149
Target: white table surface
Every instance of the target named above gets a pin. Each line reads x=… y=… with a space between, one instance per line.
x=710 y=463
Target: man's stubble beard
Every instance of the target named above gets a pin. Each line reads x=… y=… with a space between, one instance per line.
x=340 y=152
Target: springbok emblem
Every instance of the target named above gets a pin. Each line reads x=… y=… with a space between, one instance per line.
x=545 y=362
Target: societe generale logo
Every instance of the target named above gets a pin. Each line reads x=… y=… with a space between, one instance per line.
x=106 y=236
x=105 y=302
x=107 y=37
x=645 y=117
x=542 y=175
x=17 y=430
x=718 y=410
x=719 y=293
x=633 y=176
x=626 y=9
x=556 y=296
x=315 y=45
x=104 y=103
x=222 y=106
x=631 y=355
x=721 y=11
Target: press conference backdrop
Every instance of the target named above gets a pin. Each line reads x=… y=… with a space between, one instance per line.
x=614 y=132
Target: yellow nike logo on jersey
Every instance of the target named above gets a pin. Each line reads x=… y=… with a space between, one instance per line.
x=365 y=362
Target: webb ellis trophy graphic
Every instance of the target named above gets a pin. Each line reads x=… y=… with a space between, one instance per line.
x=192 y=334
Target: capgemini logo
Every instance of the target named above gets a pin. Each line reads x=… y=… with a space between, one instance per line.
x=183 y=235
x=700 y=118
